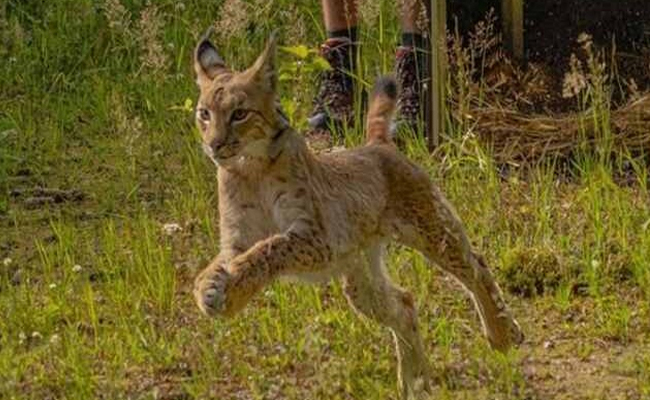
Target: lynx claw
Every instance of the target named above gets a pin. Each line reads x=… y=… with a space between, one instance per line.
x=210 y=291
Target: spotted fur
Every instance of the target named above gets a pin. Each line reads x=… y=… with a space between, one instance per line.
x=285 y=211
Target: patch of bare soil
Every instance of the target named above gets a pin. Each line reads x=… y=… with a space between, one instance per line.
x=564 y=359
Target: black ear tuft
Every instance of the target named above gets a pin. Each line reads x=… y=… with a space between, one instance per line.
x=207 y=55
x=207 y=61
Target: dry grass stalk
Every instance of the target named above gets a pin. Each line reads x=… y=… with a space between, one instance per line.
x=369 y=10
x=515 y=136
x=233 y=20
x=151 y=31
x=118 y=17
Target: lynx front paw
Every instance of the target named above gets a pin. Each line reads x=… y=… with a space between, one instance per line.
x=509 y=334
x=516 y=334
x=210 y=290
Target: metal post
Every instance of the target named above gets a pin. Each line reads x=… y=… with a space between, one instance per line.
x=435 y=115
x=512 y=19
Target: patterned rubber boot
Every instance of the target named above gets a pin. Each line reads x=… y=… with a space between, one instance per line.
x=333 y=110
x=411 y=70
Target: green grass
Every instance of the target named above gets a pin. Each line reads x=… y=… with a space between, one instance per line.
x=95 y=296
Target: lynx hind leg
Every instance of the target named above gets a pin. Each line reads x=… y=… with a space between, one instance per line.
x=431 y=226
x=371 y=293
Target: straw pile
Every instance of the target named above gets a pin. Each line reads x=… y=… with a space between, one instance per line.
x=518 y=137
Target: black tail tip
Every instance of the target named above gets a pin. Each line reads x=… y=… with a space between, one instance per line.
x=386 y=85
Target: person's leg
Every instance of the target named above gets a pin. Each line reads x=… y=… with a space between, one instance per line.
x=339 y=15
x=409 y=14
x=333 y=105
x=411 y=68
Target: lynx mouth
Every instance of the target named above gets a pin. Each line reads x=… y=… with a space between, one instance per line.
x=218 y=156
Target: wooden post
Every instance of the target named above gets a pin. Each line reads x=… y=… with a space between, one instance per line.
x=512 y=19
x=436 y=84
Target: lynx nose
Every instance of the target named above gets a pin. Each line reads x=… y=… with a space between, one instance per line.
x=216 y=144
x=212 y=147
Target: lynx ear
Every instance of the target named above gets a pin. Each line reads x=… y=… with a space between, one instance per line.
x=207 y=62
x=263 y=71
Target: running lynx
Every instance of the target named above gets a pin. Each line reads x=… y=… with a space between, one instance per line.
x=285 y=211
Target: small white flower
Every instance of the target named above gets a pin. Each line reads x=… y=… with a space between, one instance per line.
x=22 y=337
x=7 y=262
x=172 y=228
x=77 y=268
x=36 y=335
x=52 y=285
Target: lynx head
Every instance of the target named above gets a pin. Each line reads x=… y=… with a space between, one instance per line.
x=236 y=112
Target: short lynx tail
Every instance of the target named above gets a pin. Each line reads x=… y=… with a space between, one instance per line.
x=380 y=111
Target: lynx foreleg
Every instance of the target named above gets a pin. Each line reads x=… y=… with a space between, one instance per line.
x=226 y=289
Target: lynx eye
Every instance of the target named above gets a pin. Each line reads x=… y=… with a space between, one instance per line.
x=204 y=114
x=238 y=115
